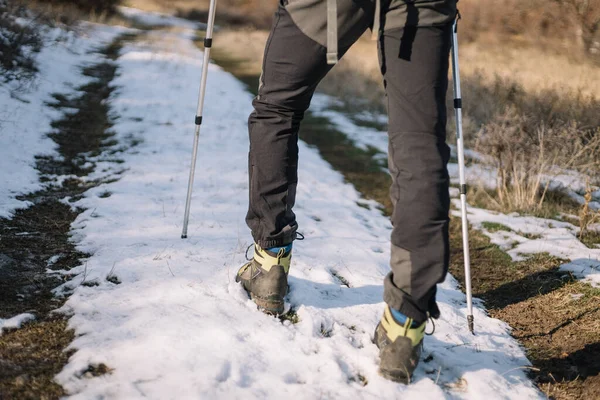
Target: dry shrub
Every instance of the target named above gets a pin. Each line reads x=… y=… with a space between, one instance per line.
x=87 y=6
x=68 y=14
x=587 y=22
x=528 y=153
x=573 y=25
x=20 y=38
x=551 y=106
x=19 y=41
x=587 y=216
x=534 y=19
x=257 y=14
x=539 y=22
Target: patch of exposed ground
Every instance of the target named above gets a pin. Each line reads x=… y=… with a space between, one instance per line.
x=31 y=357
x=37 y=238
x=554 y=316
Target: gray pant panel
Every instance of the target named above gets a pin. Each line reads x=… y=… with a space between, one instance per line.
x=414 y=64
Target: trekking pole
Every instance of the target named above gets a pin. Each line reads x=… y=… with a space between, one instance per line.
x=207 y=45
x=461 y=169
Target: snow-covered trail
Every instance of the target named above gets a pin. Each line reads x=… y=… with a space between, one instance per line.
x=172 y=323
x=25 y=118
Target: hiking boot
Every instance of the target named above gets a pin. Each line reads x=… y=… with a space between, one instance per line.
x=265 y=278
x=400 y=346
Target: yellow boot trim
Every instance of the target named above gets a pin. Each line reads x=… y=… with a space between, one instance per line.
x=395 y=330
x=267 y=261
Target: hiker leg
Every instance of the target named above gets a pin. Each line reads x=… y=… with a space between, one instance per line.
x=294 y=64
x=414 y=63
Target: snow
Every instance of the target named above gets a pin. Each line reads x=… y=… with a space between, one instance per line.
x=25 y=116
x=362 y=136
x=177 y=326
x=546 y=236
x=15 y=322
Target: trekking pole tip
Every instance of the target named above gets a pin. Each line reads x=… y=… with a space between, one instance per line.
x=184 y=236
x=470 y=323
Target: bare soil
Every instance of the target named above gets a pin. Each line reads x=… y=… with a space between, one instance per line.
x=37 y=239
x=553 y=315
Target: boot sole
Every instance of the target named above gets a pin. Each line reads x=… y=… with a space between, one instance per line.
x=397 y=377
x=269 y=306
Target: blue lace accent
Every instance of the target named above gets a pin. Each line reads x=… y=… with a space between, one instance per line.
x=401 y=318
x=287 y=249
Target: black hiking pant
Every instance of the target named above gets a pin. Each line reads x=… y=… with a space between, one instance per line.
x=414 y=65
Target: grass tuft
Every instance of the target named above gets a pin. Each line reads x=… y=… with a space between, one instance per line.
x=291 y=316
x=495 y=226
x=96 y=370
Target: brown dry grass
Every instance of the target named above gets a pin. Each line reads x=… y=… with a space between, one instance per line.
x=250 y=13
x=553 y=315
x=565 y=26
x=167 y=6
x=562 y=337
x=31 y=357
x=519 y=41
x=86 y=6
x=246 y=44
x=533 y=68
x=551 y=25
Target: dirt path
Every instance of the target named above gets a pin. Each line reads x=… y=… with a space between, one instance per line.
x=554 y=316
x=38 y=238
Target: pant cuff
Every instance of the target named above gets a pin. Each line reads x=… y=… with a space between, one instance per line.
x=283 y=238
x=401 y=301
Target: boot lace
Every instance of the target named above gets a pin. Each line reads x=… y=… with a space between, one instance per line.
x=432 y=326
x=298 y=236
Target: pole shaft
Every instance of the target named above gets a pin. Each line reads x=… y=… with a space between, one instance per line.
x=461 y=171
x=209 y=31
